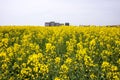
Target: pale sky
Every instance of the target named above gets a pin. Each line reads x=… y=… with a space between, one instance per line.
x=77 y=12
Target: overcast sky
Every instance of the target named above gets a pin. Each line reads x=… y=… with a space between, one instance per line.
x=77 y=12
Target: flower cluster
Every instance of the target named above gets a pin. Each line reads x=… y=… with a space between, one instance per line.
x=59 y=53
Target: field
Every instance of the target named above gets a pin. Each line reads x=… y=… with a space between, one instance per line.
x=59 y=53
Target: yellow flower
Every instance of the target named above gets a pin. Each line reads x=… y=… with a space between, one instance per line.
x=11 y=54
x=15 y=65
x=70 y=47
x=88 y=61
x=108 y=46
x=48 y=46
x=105 y=66
x=118 y=61
x=4 y=66
x=68 y=61
x=35 y=69
x=23 y=65
x=117 y=42
x=23 y=71
x=101 y=43
x=11 y=78
x=33 y=58
x=82 y=52
x=6 y=60
x=9 y=50
x=16 y=47
x=109 y=75
x=40 y=55
x=19 y=59
x=116 y=77
x=79 y=46
x=26 y=71
x=114 y=68
x=57 y=78
x=5 y=40
x=92 y=76
x=3 y=54
x=57 y=60
x=93 y=42
x=64 y=68
x=44 y=69
x=78 y=56
x=106 y=53
x=31 y=53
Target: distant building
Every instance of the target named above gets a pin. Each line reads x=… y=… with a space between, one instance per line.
x=57 y=24
x=52 y=23
x=67 y=24
x=47 y=24
x=62 y=24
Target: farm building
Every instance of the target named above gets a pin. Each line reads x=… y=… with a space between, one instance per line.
x=52 y=23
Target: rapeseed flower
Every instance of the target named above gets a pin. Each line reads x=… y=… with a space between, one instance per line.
x=59 y=53
x=68 y=61
x=57 y=60
x=64 y=68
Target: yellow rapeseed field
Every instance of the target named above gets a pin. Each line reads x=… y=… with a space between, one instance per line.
x=59 y=53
